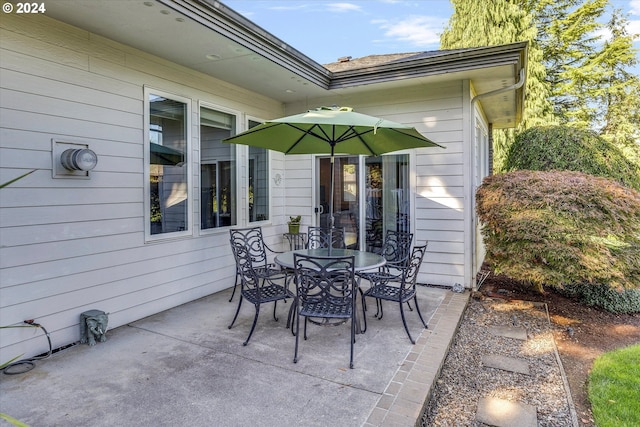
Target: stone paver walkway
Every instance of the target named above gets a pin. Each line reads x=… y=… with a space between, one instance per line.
x=505 y=413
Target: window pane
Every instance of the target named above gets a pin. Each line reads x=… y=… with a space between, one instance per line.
x=168 y=165
x=217 y=170
x=387 y=197
x=345 y=196
x=258 y=182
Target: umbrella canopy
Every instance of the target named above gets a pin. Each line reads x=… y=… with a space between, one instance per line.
x=330 y=130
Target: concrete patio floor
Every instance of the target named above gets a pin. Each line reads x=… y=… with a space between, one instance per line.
x=185 y=367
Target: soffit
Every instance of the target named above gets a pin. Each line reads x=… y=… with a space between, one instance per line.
x=206 y=36
x=176 y=31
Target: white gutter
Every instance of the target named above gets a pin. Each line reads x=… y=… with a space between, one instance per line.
x=517 y=85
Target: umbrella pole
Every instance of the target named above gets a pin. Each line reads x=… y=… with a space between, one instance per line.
x=331 y=219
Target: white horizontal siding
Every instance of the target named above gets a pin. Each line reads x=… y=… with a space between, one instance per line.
x=299 y=186
x=69 y=245
x=439 y=193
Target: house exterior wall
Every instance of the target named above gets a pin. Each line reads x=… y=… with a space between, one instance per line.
x=439 y=205
x=70 y=245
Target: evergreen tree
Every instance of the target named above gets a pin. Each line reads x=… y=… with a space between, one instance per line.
x=573 y=77
x=619 y=117
x=570 y=45
x=589 y=78
x=497 y=22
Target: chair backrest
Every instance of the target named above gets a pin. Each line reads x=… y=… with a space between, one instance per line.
x=328 y=281
x=251 y=239
x=323 y=237
x=396 y=248
x=244 y=266
x=410 y=273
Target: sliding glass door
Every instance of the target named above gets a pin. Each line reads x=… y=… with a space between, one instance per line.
x=387 y=198
x=384 y=192
x=345 y=196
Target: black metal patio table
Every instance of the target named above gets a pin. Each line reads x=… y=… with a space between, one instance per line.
x=363 y=260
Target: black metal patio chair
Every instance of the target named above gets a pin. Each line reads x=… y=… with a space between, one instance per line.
x=325 y=237
x=252 y=239
x=325 y=289
x=395 y=250
x=259 y=285
x=401 y=288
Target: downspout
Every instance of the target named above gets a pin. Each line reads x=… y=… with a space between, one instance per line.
x=517 y=85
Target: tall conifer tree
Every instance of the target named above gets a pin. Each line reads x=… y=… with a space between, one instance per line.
x=619 y=117
x=475 y=23
x=574 y=76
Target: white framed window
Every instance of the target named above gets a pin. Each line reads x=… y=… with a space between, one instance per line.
x=480 y=152
x=258 y=185
x=218 y=168
x=167 y=144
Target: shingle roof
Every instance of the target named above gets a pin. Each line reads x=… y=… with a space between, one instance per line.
x=348 y=63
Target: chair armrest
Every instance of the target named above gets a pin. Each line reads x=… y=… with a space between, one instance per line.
x=271 y=250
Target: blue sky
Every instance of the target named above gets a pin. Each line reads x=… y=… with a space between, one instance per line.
x=325 y=30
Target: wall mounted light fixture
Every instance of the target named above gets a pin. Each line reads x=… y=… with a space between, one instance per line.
x=72 y=159
x=80 y=159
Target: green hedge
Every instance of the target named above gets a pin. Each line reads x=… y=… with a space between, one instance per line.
x=553 y=228
x=602 y=296
x=564 y=148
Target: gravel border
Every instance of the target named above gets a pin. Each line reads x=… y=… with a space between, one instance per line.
x=464 y=380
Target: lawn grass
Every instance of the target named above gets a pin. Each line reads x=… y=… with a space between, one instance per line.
x=614 y=388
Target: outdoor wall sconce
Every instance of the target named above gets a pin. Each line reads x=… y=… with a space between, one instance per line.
x=81 y=159
x=72 y=160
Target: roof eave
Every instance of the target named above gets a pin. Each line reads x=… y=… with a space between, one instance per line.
x=447 y=62
x=226 y=21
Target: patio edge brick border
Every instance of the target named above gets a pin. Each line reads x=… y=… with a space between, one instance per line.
x=407 y=395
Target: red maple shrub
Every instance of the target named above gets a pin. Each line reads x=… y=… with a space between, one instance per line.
x=557 y=228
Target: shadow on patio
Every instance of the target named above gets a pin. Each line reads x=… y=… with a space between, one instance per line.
x=184 y=367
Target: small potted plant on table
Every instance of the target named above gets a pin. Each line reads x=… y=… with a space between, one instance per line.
x=294 y=224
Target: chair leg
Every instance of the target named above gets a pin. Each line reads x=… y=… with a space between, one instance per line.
x=415 y=301
x=379 y=312
x=305 y=327
x=363 y=327
x=235 y=285
x=237 y=311
x=275 y=305
x=364 y=304
x=404 y=322
x=409 y=305
x=353 y=336
x=297 y=334
x=290 y=315
x=255 y=320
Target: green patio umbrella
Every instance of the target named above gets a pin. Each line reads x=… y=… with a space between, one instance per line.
x=331 y=130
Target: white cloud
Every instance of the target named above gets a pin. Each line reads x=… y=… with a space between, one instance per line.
x=290 y=7
x=634 y=11
x=343 y=7
x=417 y=30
